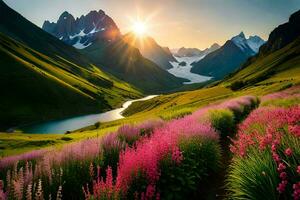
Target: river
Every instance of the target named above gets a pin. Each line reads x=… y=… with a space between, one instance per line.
x=74 y=123
x=185 y=71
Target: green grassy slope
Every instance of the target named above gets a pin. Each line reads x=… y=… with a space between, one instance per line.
x=282 y=65
x=35 y=87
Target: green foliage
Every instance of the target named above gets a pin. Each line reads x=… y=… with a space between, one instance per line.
x=175 y=114
x=237 y=85
x=200 y=159
x=66 y=138
x=254 y=177
x=97 y=124
x=286 y=86
x=223 y=120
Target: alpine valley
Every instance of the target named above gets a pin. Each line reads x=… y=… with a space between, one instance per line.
x=91 y=109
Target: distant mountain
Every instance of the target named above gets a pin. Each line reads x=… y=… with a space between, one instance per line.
x=82 y=32
x=112 y=52
x=191 y=52
x=42 y=78
x=277 y=62
x=228 y=58
x=151 y=50
x=253 y=43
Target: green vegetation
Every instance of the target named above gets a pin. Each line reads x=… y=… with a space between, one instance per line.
x=280 y=67
x=37 y=87
x=175 y=114
x=223 y=120
x=254 y=177
x=201 y=159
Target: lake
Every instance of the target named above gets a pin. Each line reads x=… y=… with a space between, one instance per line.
x=74 y=123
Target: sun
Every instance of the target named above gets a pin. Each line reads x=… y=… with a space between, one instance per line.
x=139 y=28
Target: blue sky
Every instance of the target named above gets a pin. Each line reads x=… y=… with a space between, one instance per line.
x=174 y=23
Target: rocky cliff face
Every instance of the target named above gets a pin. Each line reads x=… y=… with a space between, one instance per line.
x=283 y=34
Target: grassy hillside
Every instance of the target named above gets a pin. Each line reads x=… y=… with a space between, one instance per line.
x=36 y=87
x=280 y=66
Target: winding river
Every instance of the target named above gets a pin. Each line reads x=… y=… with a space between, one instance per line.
x=74 y=123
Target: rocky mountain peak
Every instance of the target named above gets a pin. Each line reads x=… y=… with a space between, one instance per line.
x=82 y=32
x=253 y=43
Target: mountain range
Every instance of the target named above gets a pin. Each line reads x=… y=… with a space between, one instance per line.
x=191 y=52
x=97 y=37
x=229 y=57
x=82 y=32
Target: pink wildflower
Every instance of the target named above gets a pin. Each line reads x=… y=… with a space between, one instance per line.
x=177 y=156
x=150 y=192
x=281 y=167
x=288 y=152
x=281 y=187
x=296 y=193
x=283 y=175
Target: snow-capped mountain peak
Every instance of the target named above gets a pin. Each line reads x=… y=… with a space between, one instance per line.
x=82 y=32
x=240 y=41
x=253 y=42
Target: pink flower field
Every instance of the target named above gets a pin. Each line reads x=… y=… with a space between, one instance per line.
x=165 y=159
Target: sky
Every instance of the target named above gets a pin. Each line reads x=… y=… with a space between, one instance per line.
x=174 y=23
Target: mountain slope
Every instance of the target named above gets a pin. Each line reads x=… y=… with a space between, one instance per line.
x=126 y=62
x=151 y=50
x=277 y=61
x=42 y=78
x=226 y=59
x=36 y=87
x=282 y=65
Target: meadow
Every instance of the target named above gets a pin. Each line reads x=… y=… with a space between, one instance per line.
x=172 y=150
x=144 y=161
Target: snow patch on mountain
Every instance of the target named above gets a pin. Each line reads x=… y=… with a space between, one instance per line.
x=79 y=45
x=255 y=43
x=82 y=32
